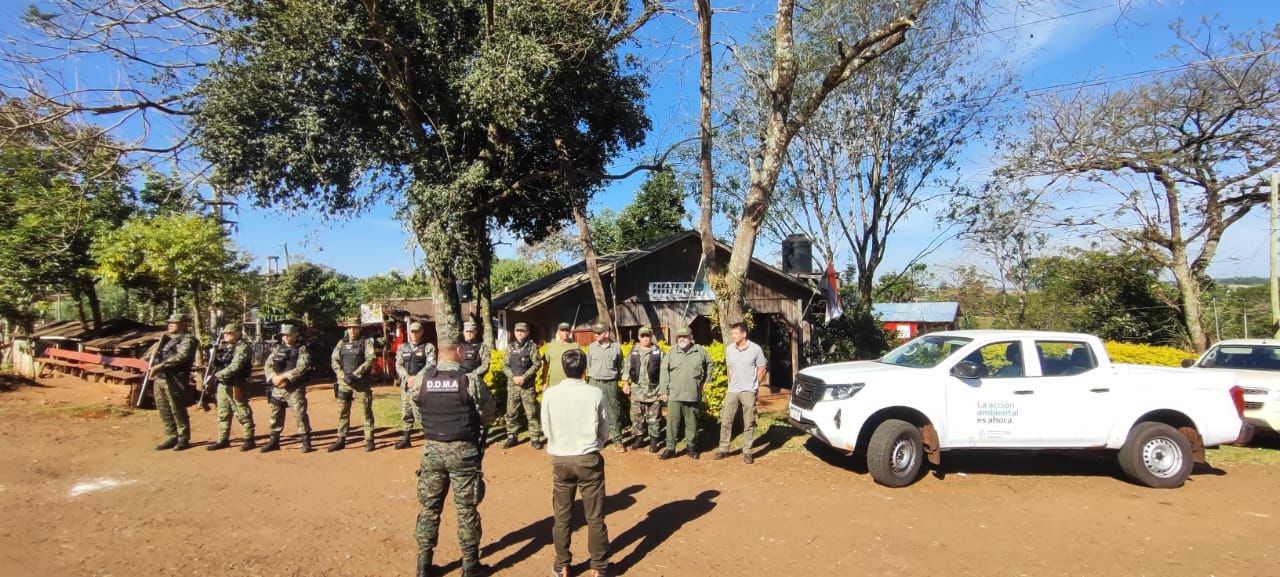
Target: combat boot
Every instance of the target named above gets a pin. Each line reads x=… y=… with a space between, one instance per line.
x=474 y=570
x=306 y=444
x=169 y=443
x=248 y=445
x=405 y=443
x=368 y=445
x=273 y=444
x=337 y=445
x=538 y=444
x=424 y=564
x=182 y=445
x=221 y=444
x=510 y=442
x=667 y=454
x=655 y=445
x=693 y=454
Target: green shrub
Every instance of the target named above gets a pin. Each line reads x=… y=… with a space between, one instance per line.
x=717 y=383
x=496 y=380
x=1136 y=354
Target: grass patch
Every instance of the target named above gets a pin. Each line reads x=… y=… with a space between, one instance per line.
x=386 y=410
x=92 y=411
x=1231 y=455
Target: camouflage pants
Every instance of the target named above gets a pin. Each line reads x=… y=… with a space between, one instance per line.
x=518 y=399
x=646 y=419
x=408 y=410
x=296 y=399
x=363 y=393
x=171 y=402
x=227 y=405
x=455 y=463
x=612 y=407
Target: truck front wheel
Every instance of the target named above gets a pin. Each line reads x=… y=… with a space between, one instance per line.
x=1156 y=455
x=895 y=453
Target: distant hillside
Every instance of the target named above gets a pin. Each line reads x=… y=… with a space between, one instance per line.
x=1242 y=281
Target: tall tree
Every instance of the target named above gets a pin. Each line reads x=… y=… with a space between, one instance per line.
x=657 y=211
x=471 y=115
x=791 y=87
x=1183 y=152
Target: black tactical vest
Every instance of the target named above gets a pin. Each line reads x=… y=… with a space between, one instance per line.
x=521 y=356
x=170 y=349
x=448 y=411
x=351 y=355
x=227 y=352
x=655 y=364
x=470 y=360
x=414 y=357
x=285 y=358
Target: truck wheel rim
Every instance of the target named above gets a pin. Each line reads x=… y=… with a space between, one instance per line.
x=1162 y=457
x=904 y=455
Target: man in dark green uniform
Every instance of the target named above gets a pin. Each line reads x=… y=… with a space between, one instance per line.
x=641 y=377
x=454 y=409
x=351 y=360
x=684 y=372
x=169 y=377
x=521 y=365
x=286 y=370
x=414 y=357
x=232 y=365
x=604 y=367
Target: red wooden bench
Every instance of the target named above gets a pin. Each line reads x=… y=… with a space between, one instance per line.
x=123 y=370
x=119 y=369
x=66 y=361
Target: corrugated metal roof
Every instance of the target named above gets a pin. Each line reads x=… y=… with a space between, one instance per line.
x=944 y=312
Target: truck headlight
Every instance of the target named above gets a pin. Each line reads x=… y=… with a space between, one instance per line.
x=840 y=392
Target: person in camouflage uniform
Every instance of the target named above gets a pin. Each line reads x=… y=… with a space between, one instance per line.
x=169 y=377
x=521 y=365
x=641 y=383
x=286 y=371
x=352 y=359
x=232 y=365
x=413 y=358
x=455 y=408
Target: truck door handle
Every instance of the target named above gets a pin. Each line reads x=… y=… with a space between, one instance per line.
x=1100 y=390
x=1024 y=392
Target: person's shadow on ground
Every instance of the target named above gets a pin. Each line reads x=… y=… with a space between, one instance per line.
x=537 y=535
x=661 y=523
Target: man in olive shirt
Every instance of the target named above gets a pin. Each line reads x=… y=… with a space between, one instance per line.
x=746 y=365
x=555 y=349
x=604 y=366
x=684 y=372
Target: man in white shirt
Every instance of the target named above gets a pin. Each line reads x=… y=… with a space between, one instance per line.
x=576 y=424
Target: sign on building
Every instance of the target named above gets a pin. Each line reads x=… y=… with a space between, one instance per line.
x=680 y=292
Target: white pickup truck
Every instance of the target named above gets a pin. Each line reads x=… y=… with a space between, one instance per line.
x=1016 y=390
x=1256 y=363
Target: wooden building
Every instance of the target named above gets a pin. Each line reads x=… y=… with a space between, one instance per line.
x=663 y=285
x=910 y=320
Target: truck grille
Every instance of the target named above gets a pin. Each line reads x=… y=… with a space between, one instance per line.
x=1252 y=405
x=1256 y=392
x=806 y=391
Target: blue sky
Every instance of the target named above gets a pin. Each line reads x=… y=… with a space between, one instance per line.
x=1099 y=43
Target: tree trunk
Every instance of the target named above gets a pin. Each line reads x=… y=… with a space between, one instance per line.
x=444 y=296
x=704 y=149
x=579 y=205
x=482 y=286
x=1189 y=301
x=80 y=314
x=95 y=304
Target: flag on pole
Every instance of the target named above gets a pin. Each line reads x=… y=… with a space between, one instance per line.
x=834 y=310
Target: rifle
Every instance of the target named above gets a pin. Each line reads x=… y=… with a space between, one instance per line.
x=151 y=360
x=208 y=369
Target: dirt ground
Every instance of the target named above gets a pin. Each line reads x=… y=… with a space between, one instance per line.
x=83 y=493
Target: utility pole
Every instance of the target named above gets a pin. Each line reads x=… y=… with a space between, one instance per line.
x=1275 y=255
x=1217 y=326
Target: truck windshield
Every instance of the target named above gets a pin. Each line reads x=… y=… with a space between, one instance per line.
x=1250 y=357
x=925 y=352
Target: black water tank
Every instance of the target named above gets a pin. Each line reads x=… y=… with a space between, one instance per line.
x=797 y=254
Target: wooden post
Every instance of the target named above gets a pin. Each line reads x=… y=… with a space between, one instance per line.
x=1275 y=255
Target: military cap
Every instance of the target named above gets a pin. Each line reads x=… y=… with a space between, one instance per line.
x=469 y=326
x=599 y=328
x=350 y=322
x=522 y=326
x=565 y=326
x=682 y=332
x=646 y=331
x=178 y=318
x=231 y=328
x=415 y=326
x=288 y=330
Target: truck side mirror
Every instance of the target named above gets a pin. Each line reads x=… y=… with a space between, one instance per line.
x=965 y=370
x=1188 y=363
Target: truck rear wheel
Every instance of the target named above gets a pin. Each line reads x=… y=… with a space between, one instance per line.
x=895 y=453
x=1156 y=455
